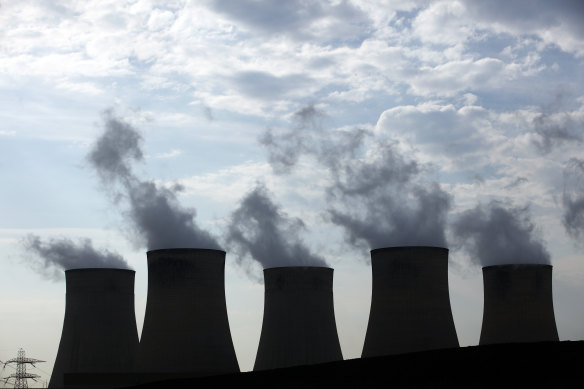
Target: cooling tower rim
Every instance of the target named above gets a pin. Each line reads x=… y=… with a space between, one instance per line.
x=183 y=249
x=518 y=265
x=399 y=248
x=98 y=269
x=298 y=267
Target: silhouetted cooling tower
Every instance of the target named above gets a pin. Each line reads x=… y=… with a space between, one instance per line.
x=99 y=329
x=410 y=303
x=299 y=319
x=186 y=330
x=518 y=304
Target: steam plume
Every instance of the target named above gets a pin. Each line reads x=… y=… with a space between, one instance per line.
x=498 y=234
x=53 y=256
x=156 y=217
x=573 y=198
x=376 y=194
x=379 y=201
x=260 y=230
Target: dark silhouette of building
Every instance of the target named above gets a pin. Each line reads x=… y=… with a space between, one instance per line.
x=186 y=329
x=518 y=304
x=299 y=320
x=410 y=302
x=99 y=330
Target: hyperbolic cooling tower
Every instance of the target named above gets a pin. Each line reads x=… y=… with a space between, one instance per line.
x=410 y=303
x=99 y=329
x=518 y=304
x=186 y=329
x=299 y=320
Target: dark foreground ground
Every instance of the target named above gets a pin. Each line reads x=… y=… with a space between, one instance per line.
x=525 y=365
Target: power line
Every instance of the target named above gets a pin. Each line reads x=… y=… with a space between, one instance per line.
x=21 y=376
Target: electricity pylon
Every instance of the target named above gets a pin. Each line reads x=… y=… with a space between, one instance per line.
x=21 y=376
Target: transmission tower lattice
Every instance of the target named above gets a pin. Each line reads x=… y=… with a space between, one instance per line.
x=21 y=376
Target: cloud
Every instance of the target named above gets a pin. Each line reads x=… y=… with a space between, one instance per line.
x=498 y=233
x=157 y=220
x=556 y=129
x=265 y=86
x=260 y=230
x=573 y=198
x=53 y=256
x=296 y=19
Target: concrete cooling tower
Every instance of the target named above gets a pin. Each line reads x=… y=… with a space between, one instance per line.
x=299 y=319
x=410 y=303
x=518 y=304
x=99 y=330
x=186 y=329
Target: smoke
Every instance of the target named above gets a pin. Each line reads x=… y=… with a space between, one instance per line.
x=498 y=234
x=260 y=230
x=53 y=256
x=573 y=198
x=376 y=194
x=156 y=218
x=555 y=128
x=378 y=201
x=285 y=147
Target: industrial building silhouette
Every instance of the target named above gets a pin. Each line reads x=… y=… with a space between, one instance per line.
x=518 y=304
x=99 y=330
x=299 y=325
x=410 y=302
x=186 y=331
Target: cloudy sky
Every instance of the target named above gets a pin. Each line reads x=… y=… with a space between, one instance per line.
x=323 y=128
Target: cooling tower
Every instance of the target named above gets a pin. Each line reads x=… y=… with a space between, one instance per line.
x=410 y=303
x=186 y=330
x=299 y=319
x=99 y=330
x=518 y=304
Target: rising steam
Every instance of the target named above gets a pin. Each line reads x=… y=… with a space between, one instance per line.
x=156 y=217
x=260 y=230
x=573 y=198
x=376 y=195
x=53 y=256
x=500 y=234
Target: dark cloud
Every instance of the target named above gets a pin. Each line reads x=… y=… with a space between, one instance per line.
x=498 y=234
x=296 y=19
x=517 y=182
x=376 y=194
x=573 y=198
x=259 y=229
x=531 y=16
x=156 y=218
x=53 y=256
x=265 y=86
x=556 y=130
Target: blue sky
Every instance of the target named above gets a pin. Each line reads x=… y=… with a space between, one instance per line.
x=485 y=98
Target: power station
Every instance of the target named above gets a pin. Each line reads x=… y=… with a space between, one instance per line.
x=186 y=329
x=410 y=302
x=518 y=304
x=99 y=329
x=299 y=325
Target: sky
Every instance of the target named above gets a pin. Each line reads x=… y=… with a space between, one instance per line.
x=287 y=133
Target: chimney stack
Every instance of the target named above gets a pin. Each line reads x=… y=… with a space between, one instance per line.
x=518 y=304
x=410 y=302
x=299 y=319
x=186 y=329
x=99 y=330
